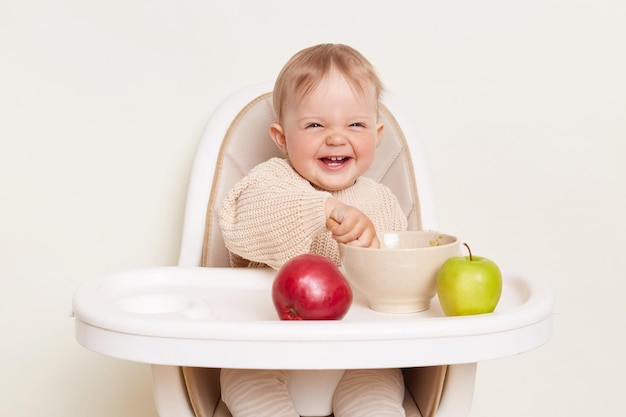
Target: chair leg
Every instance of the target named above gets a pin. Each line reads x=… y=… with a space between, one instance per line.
x=458 y=391
x=170 y=393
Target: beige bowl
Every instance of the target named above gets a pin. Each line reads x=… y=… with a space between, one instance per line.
x=401 y=276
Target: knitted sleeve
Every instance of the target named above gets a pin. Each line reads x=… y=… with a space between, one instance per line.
x=272 y=215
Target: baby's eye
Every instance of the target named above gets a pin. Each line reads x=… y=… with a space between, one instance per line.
x=313 y=125
x=357 y=124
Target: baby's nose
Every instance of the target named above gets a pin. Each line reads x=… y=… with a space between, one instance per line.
x=335 y=138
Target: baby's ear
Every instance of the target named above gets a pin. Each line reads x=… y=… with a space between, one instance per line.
x=277 y=134
x=379 y=132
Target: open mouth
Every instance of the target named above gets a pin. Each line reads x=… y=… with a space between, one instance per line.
x=335 y=161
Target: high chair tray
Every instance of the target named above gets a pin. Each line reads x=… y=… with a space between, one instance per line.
x=224 y=318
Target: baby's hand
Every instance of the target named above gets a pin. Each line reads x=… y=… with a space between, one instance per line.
x=350 y=225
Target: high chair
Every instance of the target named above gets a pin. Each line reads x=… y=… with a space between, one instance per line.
x=191 y=320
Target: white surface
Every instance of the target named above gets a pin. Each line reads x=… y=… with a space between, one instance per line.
x=521 y=106
x=224 y=317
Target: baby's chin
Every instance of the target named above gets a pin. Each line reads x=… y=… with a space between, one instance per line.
x=334 y=185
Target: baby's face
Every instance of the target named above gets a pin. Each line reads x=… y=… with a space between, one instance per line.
x=330 y=137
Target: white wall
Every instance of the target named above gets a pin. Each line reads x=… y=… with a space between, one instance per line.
x=521 y=104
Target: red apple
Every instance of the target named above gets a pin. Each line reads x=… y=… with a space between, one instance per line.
x=311 y=287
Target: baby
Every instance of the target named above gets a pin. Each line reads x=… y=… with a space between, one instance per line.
x=326 y=101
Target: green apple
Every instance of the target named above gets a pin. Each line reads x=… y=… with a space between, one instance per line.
x=468 y=285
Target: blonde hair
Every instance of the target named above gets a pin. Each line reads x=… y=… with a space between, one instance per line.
x=302 y=73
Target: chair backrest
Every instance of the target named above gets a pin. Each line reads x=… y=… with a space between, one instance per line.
x=236 y=138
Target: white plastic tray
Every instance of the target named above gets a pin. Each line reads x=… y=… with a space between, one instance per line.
x=224 y=317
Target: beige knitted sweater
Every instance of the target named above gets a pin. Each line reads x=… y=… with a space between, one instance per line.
x=274 y=214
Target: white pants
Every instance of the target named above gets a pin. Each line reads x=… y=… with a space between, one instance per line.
x=360 y=393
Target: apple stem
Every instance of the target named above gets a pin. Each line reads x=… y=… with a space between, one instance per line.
x=469 y=250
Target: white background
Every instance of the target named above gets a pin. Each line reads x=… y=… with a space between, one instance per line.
x=521 y=105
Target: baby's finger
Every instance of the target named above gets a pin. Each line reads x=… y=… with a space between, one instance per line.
x=330 y=223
